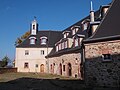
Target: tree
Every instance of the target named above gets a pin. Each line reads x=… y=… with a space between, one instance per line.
x=4 y=61
x=22 y=38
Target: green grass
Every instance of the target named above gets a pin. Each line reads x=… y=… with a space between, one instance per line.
x=12 y=76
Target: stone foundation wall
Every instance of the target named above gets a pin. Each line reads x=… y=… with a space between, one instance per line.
x=99 y=72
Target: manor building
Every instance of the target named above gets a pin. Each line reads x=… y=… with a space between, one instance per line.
x=30 y=54
x=88 y=49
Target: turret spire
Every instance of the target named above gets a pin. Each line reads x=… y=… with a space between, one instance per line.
x=91 y=12
x=91 y=4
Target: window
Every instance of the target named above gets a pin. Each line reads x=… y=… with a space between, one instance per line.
x=73 y=31
x=36 y=65
x=76 y=42
x=43 y=40
x=76 y=61
x=106 y=57
x=85 y=26
x=42 y=52
x=63 y=67
x=63 y=45
x=26 y=52
x=76 y=29
x=65 y=35
x=32 y=40
x=66 y=44
x=57 y=48
x=26 y=65
x=33 y=27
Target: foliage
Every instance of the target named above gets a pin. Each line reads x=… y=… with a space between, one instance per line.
x=19 y=40
x=4 y=61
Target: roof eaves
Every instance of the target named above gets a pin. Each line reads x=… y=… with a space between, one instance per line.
x=102 y=39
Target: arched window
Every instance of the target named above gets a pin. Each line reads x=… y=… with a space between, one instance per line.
x=43 y=40
x=32 y=40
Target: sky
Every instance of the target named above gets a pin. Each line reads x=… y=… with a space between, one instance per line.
x=16 y=16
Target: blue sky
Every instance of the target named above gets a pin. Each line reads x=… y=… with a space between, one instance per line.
x=16 y=16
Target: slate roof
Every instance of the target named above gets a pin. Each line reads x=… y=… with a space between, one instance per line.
x=53 y=53
x=53 y=37
x=80 y=32
x=109 y=28
x=79 y=23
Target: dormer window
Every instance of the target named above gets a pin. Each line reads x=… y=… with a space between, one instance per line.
x=85 y=25
x=75 y=29
x=66 y=33
x=32 y=40
x=78 y=39
x=104 y=9
x=43 y=40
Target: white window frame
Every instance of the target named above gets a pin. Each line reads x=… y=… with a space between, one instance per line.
x=73 y=31
x=85 y=25
x=43 y=40
x=62 y=45
x=76 y=42
x=32 y=40
x=26 y=65
x=66 y=44
x=57 y=48
x=42 y=52
x=26 y=52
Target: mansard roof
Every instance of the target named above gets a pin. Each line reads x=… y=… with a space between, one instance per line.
x=80 y=32
x=109 y=28
x=53 y=37
x=79 y=24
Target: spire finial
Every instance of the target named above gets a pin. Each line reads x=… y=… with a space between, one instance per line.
x=35 y=17
x=91 y=6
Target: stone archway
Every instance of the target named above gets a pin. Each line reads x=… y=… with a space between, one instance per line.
x=60 y=67
x=69 y=69
x=42 y=68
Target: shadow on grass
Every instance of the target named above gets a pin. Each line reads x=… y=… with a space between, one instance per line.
x=42 y=84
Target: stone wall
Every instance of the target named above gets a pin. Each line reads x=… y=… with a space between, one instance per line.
x=101 y=72
x=64 y=60
x=7 y=70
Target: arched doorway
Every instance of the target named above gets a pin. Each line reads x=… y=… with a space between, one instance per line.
x=69 y=69
x=42 y=68
x=60 y=69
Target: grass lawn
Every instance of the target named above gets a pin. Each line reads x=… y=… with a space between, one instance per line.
x=12 y=76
